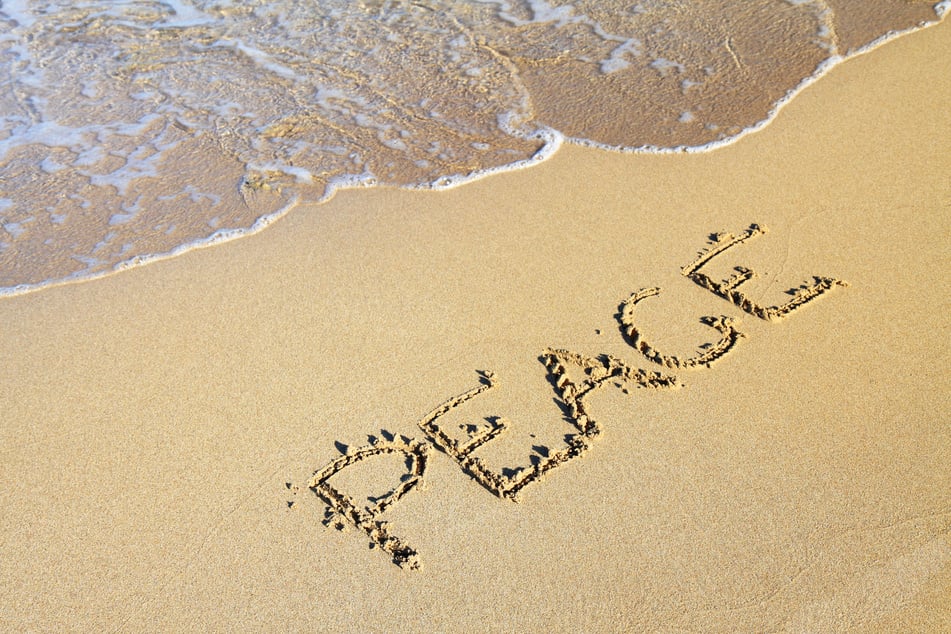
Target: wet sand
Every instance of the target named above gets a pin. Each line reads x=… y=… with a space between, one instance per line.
x=161 y=427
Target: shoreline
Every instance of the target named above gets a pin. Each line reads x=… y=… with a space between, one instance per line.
x=553 y=142
x=157 y=422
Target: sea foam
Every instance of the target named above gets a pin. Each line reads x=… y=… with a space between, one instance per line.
x=132 y=130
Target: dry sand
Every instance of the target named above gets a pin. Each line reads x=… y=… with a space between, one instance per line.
x=152 y=420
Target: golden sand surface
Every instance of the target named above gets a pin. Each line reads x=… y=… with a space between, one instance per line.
x=161 y=428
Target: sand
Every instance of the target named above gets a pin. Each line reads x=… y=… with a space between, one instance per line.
x=161 y=427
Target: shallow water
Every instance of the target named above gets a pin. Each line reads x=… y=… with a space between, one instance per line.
x=134 y=129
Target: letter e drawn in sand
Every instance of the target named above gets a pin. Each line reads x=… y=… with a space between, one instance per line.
x=572 y=396
x=727 y=289
x=343 y=508
x=709 y=352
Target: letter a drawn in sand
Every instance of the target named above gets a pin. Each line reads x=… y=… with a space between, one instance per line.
x=572 y=395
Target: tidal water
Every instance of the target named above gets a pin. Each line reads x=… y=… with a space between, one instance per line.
x=137 y=129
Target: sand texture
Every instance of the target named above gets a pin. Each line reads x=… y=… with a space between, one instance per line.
x=610 y=393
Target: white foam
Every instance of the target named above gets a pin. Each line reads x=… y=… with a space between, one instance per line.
x=618 y=59
x=664 y=66
x=333 y=102
x=186 y=15
x=15 y=229
x=131 y=211
x=299 y=174
x=544 y=12
x=19 y=12
x=541 y=12
x=687 y=84
x=261 y=58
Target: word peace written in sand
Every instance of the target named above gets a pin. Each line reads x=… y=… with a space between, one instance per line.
x=342 y=509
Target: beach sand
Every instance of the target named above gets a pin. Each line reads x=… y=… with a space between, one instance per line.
x=160 y=427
